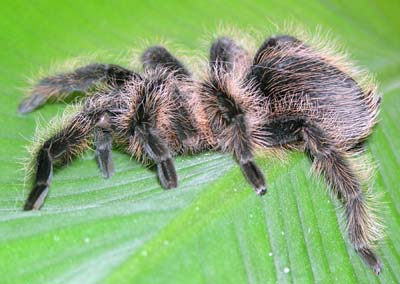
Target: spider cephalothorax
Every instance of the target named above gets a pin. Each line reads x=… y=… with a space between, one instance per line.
x=306 y=99
x=137 y=111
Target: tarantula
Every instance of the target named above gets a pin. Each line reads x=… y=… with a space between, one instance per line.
x=289 y=95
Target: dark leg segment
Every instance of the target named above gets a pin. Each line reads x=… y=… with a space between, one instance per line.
x=59 y=149
x=81 y=80
x=332 y=165
x=280 y=131
x=44 y=174
x=243 y=154
x=159 y=57
x=158 y=151
x=103 y=145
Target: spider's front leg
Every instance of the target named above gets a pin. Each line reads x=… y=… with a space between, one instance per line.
x=59 y=149
x=81 y=80
x=362 y=227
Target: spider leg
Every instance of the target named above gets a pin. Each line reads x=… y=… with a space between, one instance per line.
x=159 y=57
x=156 y=148
x=225 y=53
x=243 y=154
x=58 y=149
x=230 y=124
x=331 y=163
x=103 y=145
x=81 y=80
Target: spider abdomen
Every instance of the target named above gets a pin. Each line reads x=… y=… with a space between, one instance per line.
x=295 y=79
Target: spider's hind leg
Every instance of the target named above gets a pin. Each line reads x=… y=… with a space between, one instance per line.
x=362 y=228
x=58 y=150
x=81 y=80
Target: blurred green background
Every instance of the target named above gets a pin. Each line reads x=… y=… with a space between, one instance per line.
x=213 y=228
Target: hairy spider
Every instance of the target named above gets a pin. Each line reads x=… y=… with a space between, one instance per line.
x=291 y=95
x=288 y=95
x=152 y=116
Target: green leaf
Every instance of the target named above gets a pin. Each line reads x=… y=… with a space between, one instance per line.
x=213 y=228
